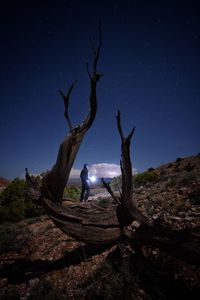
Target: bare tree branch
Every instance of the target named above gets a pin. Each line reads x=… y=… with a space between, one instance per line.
x=108 y=188
x=93 y=47
x=119 y=125
x=97 y=51
x=93 y=83
x=131 y=133
x=56 y=180
x=129 y=208
x=87 y=66
x=66 y=103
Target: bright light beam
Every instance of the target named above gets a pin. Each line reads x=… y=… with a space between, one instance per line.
x=93 y=178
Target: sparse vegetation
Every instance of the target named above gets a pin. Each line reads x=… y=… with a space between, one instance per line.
x=116 y=182
x=72 y=192
x=145 y=178
x=189 y=167
x=15 y=203
x=179 y=159
x=187 y=179
x=171 y=183
x=104 y=202
x=151 y=169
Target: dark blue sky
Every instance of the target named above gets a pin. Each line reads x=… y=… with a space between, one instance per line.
x=151 y=64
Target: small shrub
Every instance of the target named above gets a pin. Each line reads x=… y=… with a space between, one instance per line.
x=171 y=183
x=187 y=179
x=144 y=178
x=189 y=167
x=116 y=182
x=15 y=204
x=72 y=192
x=104 y=202
x=151 y=169
x=179 y=159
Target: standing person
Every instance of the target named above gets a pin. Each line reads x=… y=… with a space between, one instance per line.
x=85 y=183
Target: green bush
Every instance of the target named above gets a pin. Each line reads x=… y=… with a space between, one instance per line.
x=72 y=192
x=116 y=182
x=179 y=159
x=13 y=237
x=151 y=169
x=15 y=204
x=144 y=178
x=104 y=202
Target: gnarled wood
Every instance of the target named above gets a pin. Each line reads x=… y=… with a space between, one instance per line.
x=85 y=222
x=88 y=222
x=127 y=211
x=56 y=180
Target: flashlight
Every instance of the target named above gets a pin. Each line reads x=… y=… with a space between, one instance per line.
x=93 y=178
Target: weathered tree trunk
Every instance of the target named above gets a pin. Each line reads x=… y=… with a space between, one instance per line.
x=90 y=223
x=56 y=180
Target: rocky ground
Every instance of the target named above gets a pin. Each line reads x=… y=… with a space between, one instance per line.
x=41 y=252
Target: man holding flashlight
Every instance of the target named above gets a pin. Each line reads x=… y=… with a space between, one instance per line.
x=85 y=183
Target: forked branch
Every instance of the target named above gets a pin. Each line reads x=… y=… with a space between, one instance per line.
x=127 y=210
x=125 y=163
x=56 y=180
x=66 y=103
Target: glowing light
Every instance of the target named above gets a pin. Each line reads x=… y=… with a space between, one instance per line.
x=93 y=178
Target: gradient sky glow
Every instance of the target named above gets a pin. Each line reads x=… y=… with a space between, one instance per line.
x=151 y=64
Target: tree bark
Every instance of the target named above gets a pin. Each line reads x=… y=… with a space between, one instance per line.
x=90 y=223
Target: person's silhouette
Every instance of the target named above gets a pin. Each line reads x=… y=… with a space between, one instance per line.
x=85 y=184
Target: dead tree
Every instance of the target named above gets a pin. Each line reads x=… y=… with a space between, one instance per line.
x=90 y=223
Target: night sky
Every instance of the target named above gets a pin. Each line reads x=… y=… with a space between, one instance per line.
x=150 y=59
